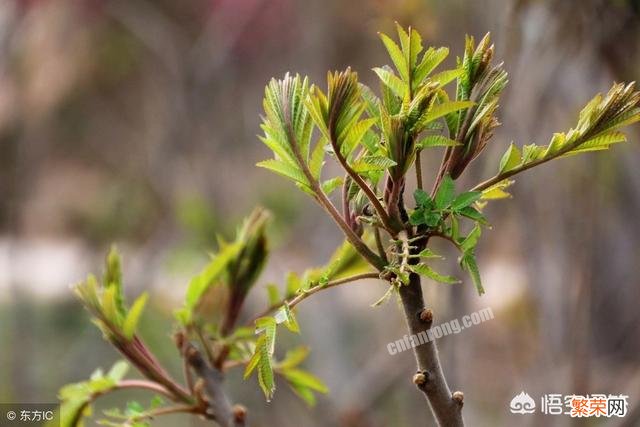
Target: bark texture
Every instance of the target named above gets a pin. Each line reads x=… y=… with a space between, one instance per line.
x=446 y=407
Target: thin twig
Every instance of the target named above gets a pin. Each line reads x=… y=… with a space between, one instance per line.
x=204 y=344
x=188 y=378
x=301 y=297
x=380 y=210
x=379 y=245
x=324 y=201
x=167 y=410
x=144 y=384
x=346 y=209
x=418 y=165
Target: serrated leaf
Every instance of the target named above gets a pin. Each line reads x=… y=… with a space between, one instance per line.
x=415 y=47
x=284 y=169
x=293 y=283
x=261 y=360
x=430 y=60
x=267 y=326
x=511 y=159
x=600 y=142
x=396 y=55
x=255 y=358
x=421 y=197
x=294 y=357
x=531 y=153
x=330 y=185
x=355 y=135
x=317 y=159
x=305 y=379
x=425 y=270
x=109 y=305
x=285 y=315
x=470 y=242
x=265 y=377
x=371 y=101
x=436 y=141
x=497 y=191
x=472 y=213
x=273 y=294
x=441 y=110
x=446 y=192
x=372 y=163
x=469 y=264
x=446 y=76
x=206 y=278
x=428 y=253
x=393 y=82
x=558 y=140
x=113 y=278
x=304 y=393
x=133 y=316
x=463 y=200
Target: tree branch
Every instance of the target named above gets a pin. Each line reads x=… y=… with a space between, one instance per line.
x=209 y=390
x=301 y=297
x=148 y=385
x=418 y=165
x=380 y=210
x=502 y=176
x=324 y=201
x=430 y=379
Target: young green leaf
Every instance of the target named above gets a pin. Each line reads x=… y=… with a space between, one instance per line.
x=210 y=274
x=469 y=264
x=436 y=141
x=497 y=191
x=133 y=316
x=286 y=316
x=421 y=197
x=446 y=76
x=446 y=193
x=463 y=200
x=442 y=110
x=470 y=242
x=393 y=82
x=294 y=357
x=472 y=213
x=396 y=55
x=428 y=253
x=304 y=384
x=430 y=60
x=330 y=185
x=113 y=278
x=425 y=270
x=510 y=159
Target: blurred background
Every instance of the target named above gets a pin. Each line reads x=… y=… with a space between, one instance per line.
x=135 y=123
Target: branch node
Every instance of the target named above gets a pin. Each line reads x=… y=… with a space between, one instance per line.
x=458 y=397
x=199 y=393
x=421 y=378
x=239 y=414
x=179 y=338
x=426 y=316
